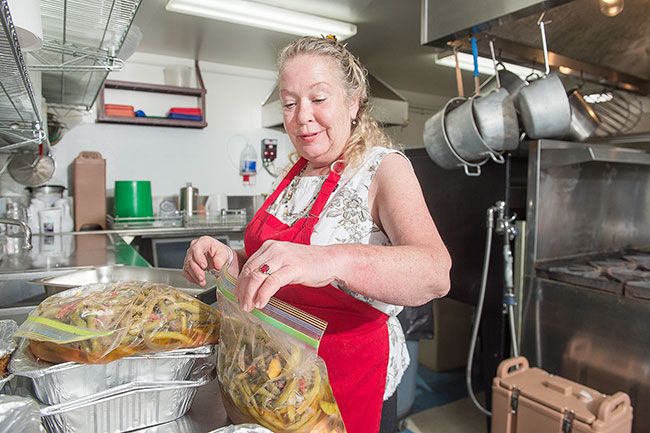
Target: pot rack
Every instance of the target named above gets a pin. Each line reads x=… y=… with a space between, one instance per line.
x=81 y=44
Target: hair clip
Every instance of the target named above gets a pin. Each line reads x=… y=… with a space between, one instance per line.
x=331 y=36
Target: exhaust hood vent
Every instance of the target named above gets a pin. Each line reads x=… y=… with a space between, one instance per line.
x=582 y=41
x=386 y=105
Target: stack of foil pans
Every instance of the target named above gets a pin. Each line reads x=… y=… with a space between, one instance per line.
x=126 y=394
x=60 y=383
x=127 y=407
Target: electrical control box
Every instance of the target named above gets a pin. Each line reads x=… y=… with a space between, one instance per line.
x=269 y=149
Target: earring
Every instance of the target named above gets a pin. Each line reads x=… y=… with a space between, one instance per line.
x=354 y=122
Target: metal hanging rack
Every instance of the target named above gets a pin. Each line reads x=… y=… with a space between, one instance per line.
x=20 y=118
x=81 y=44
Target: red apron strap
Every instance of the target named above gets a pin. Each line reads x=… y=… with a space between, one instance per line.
x=293 y=172
x=329 y=186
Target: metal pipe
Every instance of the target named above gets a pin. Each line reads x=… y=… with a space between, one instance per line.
x=26 y=230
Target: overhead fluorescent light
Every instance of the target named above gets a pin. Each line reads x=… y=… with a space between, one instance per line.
x=262 y=16
x=485 y=65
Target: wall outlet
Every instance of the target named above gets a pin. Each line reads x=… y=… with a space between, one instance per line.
x=269 y=149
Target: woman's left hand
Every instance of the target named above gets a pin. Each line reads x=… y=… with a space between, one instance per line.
x=277 y=264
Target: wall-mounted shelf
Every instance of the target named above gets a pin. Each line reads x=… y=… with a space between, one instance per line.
x=81 y=44
x=151 y=88
x=20 y=119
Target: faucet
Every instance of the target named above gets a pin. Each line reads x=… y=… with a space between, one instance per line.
x=26 y=230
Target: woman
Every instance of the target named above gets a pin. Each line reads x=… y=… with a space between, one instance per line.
x=345 y=236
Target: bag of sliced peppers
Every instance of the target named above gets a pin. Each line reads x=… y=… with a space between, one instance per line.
x=268 y=368
x=99 y=323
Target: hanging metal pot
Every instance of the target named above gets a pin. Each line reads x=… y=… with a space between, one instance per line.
x=464 y=136
x=584 y=120
x=543 y=105
x=438 y=146
x=495 y=115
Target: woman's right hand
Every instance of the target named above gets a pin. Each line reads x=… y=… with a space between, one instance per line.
x=203 y=254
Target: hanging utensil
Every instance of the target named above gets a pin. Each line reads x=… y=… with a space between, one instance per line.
x=477 y=79
x=496 y=117
x=30 y=169
x=543 y=104
x=459 y=75
x=584 y=120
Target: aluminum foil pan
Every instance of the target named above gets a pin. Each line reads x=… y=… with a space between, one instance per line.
x=59 y=383
x=127 y=407
x=7 y=346
x=19 y=415
x=4 y=381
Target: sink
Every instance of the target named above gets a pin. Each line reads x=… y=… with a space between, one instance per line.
x=18 y=296
x=16 y=289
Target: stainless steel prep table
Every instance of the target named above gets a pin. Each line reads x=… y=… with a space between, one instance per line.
x=68 y=252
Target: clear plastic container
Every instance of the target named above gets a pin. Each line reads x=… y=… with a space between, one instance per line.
x=248 y=165
x=177 y=75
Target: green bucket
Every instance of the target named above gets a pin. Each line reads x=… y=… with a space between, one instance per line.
x=133 y=199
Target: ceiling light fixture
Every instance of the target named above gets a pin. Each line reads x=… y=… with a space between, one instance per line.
x=262 y=16
x=611 y=8
x=485 y=65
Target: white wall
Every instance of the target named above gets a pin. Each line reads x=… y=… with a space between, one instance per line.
x=421 y=107
x=208 y=158
x=168 y=156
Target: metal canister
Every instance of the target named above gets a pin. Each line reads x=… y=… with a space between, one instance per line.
x=188 y=199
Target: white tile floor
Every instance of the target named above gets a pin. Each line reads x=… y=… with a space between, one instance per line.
x=460 y=416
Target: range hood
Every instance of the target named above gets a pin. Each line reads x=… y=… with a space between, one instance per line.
x=582 y=41
x=386 y=105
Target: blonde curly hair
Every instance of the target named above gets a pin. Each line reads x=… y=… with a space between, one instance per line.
x=366 y=133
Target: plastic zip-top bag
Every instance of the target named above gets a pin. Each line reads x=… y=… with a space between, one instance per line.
x=268 y=368
x=99 y=323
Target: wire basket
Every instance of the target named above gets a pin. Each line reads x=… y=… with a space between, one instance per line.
x=144 y=222
x=227 y=217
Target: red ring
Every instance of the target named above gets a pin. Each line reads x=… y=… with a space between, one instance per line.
x=265 y=269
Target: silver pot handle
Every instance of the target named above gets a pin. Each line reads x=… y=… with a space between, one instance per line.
x=469 y=172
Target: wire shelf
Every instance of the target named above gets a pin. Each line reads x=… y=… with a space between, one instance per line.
x=225 y=218
x=20 y=120
x=81 y=44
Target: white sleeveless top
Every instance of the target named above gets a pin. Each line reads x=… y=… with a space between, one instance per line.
x=346 y=218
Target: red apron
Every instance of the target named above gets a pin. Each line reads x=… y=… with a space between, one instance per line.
x=355 y=344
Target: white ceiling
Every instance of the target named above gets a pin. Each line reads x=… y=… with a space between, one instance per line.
x=387 y=40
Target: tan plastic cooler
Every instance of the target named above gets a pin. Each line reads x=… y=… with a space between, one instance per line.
x=530 y=400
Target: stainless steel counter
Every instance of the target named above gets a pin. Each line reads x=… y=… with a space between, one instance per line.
x=67 y=251
x=53 y=255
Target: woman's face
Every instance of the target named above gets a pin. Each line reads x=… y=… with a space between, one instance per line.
x=317 y=111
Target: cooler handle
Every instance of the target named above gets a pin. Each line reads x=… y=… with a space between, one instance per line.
x=558 y=386
x=613 y=407
x=504 y=369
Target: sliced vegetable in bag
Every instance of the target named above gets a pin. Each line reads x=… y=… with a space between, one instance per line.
x=99 y=323
x=268 y=367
